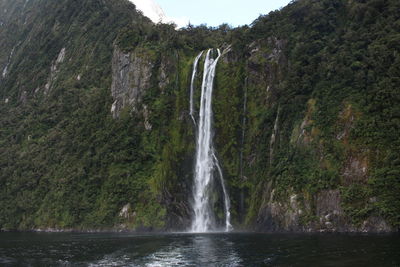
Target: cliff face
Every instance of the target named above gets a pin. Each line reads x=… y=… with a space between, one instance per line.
x=328 y=216
x=131 y=79
x=60 y=148
x=97 y=134
x=293 y=136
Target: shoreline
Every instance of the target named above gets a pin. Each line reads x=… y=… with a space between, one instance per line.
x=142 y=231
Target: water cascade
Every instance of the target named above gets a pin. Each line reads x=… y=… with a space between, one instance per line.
x=196 y=61
x=206 y=161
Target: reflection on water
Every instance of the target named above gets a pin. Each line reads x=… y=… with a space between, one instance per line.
x=233 y=249
x=197 y=250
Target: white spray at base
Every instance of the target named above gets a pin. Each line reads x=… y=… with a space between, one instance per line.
x=206 y=160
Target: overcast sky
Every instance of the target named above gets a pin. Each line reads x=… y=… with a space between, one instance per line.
x=216 y=12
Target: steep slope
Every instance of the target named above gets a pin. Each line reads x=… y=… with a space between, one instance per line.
x=58 y=141
x=96 y=131
x=298 y=135
x=319 y=143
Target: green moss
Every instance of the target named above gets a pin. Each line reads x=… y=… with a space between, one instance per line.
x=355 y=202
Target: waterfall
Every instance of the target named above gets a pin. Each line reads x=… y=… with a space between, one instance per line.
x=5 y=70
x=227 y=202
x=196 y=61
x=206 y=160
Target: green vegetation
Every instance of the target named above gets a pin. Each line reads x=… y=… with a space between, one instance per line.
x=306 y=100
x=340 y=54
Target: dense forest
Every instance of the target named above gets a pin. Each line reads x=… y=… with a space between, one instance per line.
x=95 y=131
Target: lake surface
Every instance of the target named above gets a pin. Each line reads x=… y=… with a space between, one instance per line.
x=233 y=249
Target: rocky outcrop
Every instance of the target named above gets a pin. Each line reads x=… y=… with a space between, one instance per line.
x=127 y=216
x=321 y=213
x=377 y=225
x=273 y=137
x=131 y=75
x=329 y=212
x=54 y=70
x=280 y=216
x=324 y=210
x=266 y=65
x=356 y=165
x=304 y=134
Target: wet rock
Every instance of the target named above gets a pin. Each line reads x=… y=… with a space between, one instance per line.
x=329 y=211
x=146 y=115
x=356 y=168
x=305 y=133
x=131 y=74
x=346 y=123
x=376 y=224
x=273 y=137
x=126 y=212
x=163 y=77
x=54 y=70
x=278 y=216
x=24 y=97
x=328 y=203
x=266 y=65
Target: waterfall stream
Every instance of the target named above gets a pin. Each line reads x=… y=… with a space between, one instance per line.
x=206 y=160
x=196 y=61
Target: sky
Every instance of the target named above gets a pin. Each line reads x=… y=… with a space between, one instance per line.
x=216 y=12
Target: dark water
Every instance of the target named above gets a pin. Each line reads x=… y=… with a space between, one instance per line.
x=68 y=249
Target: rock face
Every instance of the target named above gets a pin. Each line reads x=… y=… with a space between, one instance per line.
x=321 y=213
x=266 y=66
x=329 y=211
x=127 y=216
x=323 y=210
x=131 y=74
x=54 y=70
x=376 y=224
x=280 y=215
